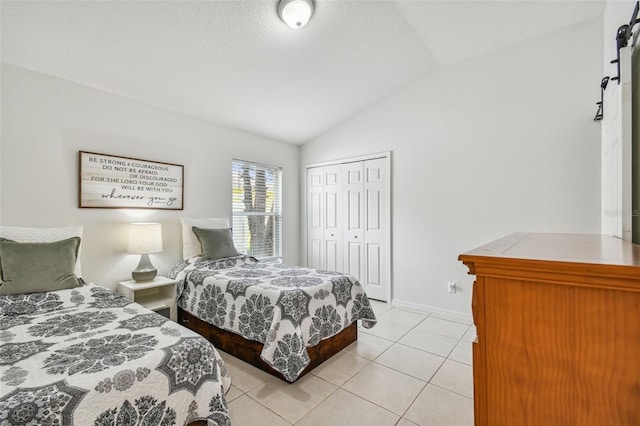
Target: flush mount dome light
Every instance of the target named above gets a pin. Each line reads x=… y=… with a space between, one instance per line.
x=295 y=13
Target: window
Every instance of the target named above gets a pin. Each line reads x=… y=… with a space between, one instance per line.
x=257 y=209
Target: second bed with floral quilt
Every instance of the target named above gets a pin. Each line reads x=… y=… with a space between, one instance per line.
x=286 y=308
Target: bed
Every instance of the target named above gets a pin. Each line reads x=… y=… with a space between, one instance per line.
x=283 y=319
x=86 y=355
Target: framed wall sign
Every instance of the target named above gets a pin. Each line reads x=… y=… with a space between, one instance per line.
x=111 y=182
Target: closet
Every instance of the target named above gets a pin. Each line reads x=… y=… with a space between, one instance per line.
x=348 y=221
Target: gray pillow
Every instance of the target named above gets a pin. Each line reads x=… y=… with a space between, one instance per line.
x=38 y=267
x=216 y=243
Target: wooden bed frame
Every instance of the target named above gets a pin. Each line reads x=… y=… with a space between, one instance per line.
x=249 y=350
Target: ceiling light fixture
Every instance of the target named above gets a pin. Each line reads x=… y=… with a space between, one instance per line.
x=295 y=13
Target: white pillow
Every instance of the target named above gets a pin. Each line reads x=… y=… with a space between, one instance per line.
x=190 y=244
x=44 y=235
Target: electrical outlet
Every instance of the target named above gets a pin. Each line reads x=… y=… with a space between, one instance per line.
x=452 y=286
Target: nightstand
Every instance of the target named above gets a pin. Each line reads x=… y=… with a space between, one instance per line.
x=158 y=295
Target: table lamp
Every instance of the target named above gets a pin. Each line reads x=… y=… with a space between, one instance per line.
x=144 y=238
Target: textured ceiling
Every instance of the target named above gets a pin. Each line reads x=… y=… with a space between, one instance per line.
x=235 y=63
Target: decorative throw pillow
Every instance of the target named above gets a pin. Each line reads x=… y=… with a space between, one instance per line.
x=216 y=243
x=38 y=267
x=22 y=234
x=190 y=244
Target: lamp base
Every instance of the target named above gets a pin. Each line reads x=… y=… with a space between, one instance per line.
x=145 y=271
x=142 y=276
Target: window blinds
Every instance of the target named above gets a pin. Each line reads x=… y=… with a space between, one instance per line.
x=257 y=209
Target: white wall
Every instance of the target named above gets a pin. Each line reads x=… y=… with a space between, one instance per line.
x=46 y=121
x=497 y=144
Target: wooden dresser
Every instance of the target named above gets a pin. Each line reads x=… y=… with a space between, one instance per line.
x=558 y=330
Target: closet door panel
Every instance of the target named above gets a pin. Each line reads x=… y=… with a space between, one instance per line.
x=332 y=254
x=374 y=264
x=354 y=260
x=353 y=196
x=373 y=209
x=314 y=254
x=354 y=210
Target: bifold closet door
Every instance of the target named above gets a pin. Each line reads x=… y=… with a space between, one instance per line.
x=353 y=216
x=315 y=221
x=332 y=248
x=375 y=229
x=347 y=222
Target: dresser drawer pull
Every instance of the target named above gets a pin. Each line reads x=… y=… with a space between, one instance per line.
x=474 y=302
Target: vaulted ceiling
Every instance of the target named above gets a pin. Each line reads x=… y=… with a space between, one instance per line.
x=235 y=63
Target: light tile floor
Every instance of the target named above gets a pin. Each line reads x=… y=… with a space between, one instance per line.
x=410 y=369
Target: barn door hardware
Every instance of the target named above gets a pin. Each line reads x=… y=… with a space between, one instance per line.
x=600 y=112
x=623 y=35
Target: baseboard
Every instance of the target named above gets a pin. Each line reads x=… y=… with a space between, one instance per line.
x=427 y=309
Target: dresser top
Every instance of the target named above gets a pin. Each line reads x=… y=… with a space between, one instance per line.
x=568 y=248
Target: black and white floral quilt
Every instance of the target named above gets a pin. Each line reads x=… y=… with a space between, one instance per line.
x=287 y=308
x=88 y=356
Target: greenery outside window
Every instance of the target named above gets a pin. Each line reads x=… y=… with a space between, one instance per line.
x=257 y=209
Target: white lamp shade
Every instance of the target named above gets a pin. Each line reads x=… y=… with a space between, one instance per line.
x=145 y=238
x=296 y=13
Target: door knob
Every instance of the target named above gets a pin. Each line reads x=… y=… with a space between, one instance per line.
x=355 y=236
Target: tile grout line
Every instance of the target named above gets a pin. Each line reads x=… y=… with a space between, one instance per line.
x=449 y=390
x=415 y=399
x=269 y=409
x=287 y=421
x=371 y=402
